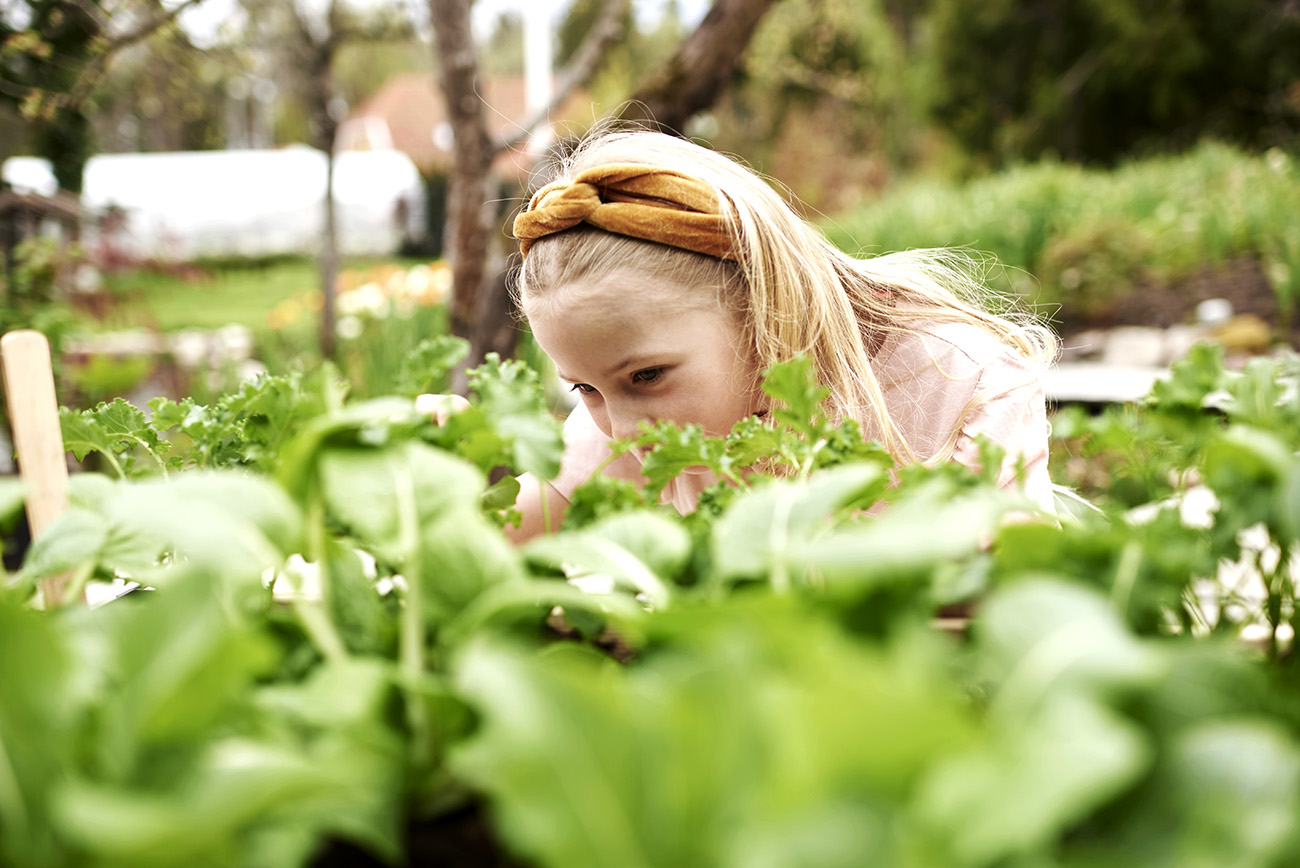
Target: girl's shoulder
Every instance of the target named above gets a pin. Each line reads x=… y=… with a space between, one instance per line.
x=932 y=374
x=957 y=349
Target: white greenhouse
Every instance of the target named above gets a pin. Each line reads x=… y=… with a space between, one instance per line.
x=180 y=206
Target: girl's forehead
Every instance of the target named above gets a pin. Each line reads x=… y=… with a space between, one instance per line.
x=621 y=291
x=589 y=342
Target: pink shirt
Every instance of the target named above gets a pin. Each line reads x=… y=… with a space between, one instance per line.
x=930 y=377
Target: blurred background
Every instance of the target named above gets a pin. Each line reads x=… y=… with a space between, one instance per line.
x=1126 y=167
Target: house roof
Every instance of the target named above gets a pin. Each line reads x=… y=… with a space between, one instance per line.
x=411 y=108
x=62 y=205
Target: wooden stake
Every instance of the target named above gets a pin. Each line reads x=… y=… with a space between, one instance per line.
x=34 y=419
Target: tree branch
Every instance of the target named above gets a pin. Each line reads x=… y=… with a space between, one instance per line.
x=468 y=223
x=93 y=13
x=149 y=27
x=701 y=67
x=93 y=71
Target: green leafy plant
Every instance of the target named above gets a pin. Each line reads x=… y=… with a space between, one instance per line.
x=339 y=645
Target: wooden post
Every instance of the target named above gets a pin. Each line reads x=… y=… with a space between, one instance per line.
x=34 y=419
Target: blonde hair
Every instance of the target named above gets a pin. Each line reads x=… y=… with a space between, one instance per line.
x=793 y=292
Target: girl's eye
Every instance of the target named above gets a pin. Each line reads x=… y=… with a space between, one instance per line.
x=583 y=388
x=649 y=375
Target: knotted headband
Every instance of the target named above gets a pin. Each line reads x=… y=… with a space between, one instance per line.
x=646 y=202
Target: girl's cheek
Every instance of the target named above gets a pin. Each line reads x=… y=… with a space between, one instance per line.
x=600 y=417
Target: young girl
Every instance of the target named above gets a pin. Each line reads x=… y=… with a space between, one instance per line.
x=663 y=278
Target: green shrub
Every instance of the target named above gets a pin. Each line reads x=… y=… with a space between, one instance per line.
x=1074 y=237
x=103 y=377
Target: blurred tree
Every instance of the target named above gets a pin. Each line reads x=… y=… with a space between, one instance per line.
x=159 y=96
x=480 y=308
x=53 y=53
x=705 y=62
x=363 y=66
x=299 y=43
x=826 y=99
x=626 y=61
x=15 y=138
x=43 y=64
x=1095 y=80
x=503 y=51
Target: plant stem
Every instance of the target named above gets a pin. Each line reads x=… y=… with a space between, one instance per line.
x=546 y=508
x=162 y=465
x=1288 y=566
x=779 y=539
x=11 y=793
x=1126 y=575
x=805 y=470
x=412 y=635
x=77 y=583
x=314 y=613
x=117 y=467
x=321 y=630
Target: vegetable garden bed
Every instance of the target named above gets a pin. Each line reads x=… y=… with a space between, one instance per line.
x=779 y=697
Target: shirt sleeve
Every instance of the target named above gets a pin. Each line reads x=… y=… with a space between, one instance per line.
x=1013 y=414
x=945 y=378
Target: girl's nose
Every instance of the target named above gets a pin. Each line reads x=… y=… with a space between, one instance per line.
x=623 y=422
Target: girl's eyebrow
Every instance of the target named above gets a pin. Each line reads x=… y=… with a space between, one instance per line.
x=627 y=362
x=647 y=359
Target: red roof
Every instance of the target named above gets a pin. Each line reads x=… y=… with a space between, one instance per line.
x=410 y=105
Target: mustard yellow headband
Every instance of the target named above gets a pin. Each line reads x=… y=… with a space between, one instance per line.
x=646 y=202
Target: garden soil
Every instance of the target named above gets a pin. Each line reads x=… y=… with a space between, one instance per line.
x=1241 y=282
x=460 y=839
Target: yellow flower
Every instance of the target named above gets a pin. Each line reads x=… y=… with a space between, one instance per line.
x=348 y=280
x=286 y=313
x=419 y=285
x=442 y=281
x=395 y=284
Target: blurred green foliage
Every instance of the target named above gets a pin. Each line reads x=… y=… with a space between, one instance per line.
x=33 y=293
x=32 y=287
x=103 y=377
x=1077 y=239
x=624 y=63
x=1097 y=80
x=42 y=58
x=208 y=295
x=160 y=97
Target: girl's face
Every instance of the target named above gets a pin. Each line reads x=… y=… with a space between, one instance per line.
x=635 y=352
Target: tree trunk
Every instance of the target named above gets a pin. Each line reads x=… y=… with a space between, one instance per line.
x=469 y=209
x=60 y=130
x=324 y=127
x=329 y=261
x=496 y=326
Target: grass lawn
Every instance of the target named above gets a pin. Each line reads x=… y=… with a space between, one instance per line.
x=213 y=295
